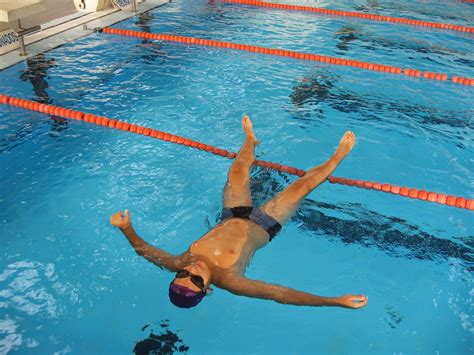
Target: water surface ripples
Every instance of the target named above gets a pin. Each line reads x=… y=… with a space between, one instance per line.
x=70 y=282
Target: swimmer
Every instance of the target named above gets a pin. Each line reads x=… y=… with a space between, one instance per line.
x=220 y=257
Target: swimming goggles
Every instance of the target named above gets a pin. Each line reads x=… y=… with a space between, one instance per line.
x=197 y=280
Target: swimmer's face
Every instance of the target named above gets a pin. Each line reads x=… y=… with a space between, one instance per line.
x=198 y=273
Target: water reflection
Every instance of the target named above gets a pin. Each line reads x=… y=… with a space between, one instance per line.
x=397 y=7
x=165 y=342
x=37 y=74
x=349 y=35
x=319 y=91
x=153 y=49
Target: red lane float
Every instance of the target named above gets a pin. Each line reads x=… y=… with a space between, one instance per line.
x=440 y=198
x=287 y=53
x=362 y=15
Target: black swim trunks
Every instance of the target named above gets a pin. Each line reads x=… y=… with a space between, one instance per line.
x=265 y=221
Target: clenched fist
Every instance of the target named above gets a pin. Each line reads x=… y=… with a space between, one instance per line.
x=121 y=219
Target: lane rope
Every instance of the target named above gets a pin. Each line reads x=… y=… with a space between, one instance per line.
x=362 y=15
x=293 y=54
x=430 y=196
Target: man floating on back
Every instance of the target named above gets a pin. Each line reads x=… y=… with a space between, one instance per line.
x=221 y=256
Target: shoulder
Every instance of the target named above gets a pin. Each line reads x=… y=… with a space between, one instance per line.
x=223 y=278
x=228 y=280
x=182 y=260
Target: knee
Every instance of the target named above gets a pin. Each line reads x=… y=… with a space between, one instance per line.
x=237 y=171
x=302 y=188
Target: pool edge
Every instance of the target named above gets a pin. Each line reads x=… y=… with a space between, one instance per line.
x=81 y=26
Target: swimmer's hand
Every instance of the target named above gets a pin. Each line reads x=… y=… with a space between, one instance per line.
x=352 y=301
x=121 y=219
x=157 y=256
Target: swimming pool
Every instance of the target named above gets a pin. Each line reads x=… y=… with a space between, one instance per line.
x=71 y=283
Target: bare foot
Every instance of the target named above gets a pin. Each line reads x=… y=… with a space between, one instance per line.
x=345 y=145
x=248 y=129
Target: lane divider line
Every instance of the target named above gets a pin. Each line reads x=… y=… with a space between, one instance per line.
x=293 y=54
x=430 y=196
x=362 y=15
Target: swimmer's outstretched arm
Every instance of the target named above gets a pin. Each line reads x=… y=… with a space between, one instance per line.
x=257 y=289
x=157 y=256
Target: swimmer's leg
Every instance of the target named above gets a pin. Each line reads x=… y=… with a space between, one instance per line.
x=284 y=205
x=237 y=188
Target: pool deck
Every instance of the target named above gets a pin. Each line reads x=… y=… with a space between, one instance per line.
x=56 y=9
x=66 y=24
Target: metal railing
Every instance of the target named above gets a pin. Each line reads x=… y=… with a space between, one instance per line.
x=21 y=32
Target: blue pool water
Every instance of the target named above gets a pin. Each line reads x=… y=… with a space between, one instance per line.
x=69 y=282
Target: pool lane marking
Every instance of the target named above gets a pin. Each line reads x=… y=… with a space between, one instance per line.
x=293 y=54
x=362 y=15
x=430 y=196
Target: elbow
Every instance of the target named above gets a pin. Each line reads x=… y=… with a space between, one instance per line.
x=140 y=250
x=284 y=298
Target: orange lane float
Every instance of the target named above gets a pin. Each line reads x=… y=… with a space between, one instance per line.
x=291 y=54
x=435 y=197
x=361 y=15
x=430 y=196
x=463 y=81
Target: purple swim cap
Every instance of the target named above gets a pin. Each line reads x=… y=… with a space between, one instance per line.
x=184 y=297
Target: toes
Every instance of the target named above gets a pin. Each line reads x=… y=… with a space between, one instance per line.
x=247 y=125
x=248 y=129
x=349 y=136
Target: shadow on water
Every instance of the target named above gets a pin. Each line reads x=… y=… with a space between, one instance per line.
x=356 y=224
x=164 y=342
x=315 y=92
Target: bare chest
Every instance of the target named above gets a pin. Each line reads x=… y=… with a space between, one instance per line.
x=228 y=244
